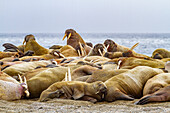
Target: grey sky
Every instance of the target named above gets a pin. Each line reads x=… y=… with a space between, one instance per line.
x=96 y=16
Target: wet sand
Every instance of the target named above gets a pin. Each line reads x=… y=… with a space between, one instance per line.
x=68 y=106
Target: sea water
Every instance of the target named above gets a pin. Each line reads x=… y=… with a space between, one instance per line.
x=148 y=42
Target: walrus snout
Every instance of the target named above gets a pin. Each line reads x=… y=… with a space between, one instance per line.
x=28 y=37
x=157 y=56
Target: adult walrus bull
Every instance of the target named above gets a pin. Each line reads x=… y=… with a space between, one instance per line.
x=157 y=89
x=130 y=83
x=75 y=90
x=73 y=38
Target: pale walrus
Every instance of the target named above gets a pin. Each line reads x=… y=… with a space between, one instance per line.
x=161 y=53
x=11 y=89
x=75 y=90
x=73 y=38
x=156 y=89
x=32 y=45
x=129 y=85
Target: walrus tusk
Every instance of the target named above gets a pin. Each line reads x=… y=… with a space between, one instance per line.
x=79 y=53
x=24 y=42
x=64 y=36
x=62 y=55
x=134 y=46
x=69 y=36
x=26 y=86
x=118 y=65
x=66 y=76
x=55 y=53
x=81 y=48
x=100 y=52
x=20 y=78
x=69 y=74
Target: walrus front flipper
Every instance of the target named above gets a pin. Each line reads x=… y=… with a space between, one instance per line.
x=10 y=47
x=77 y=94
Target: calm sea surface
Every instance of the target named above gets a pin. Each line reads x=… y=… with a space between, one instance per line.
x=148 y=42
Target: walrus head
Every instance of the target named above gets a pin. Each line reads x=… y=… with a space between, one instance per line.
x=28 y=37
x=100 y=88
x=69 y=33
x=157 y=56
x=112 y=45
x=98 y=49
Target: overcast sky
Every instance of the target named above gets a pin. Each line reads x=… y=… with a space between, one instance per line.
x=85 y=16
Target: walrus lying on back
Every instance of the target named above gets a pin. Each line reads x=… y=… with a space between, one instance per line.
x=75 y=90
x=156 y=89
x=129 y=83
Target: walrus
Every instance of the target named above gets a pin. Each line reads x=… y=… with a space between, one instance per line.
x=41 y=81
x=161 y=53
x=11 y=89
x=21 y=68
x=131 y=62
x=129 y=85
x=98 y=50
x=68 y=51
x=156 y=89
x=92 y=92
x=73 y=38
x=103 y=75
x=32 y=45
x=82 y=72
x=9 y=54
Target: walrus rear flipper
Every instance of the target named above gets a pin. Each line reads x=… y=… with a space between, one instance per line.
x=10 y=47
x=159 y=96
x=123 y=96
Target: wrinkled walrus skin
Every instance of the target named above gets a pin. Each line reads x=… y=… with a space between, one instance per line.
x=103 y=75
x=75 y=90
x=44 y=79
x=130 y=83
x=10 y=89
x=156 y=89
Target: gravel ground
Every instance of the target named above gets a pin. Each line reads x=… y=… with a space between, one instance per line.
x=68 y=106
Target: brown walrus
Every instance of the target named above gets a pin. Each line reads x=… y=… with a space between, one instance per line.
x=75 y=90
x=32 y=45
x=161 y=53
x=131 y=62
x=10 y=89
x=156 y=89
x=103 y=75
x=98 y=50
x=41 y=81
x=82 y=73
x=73 y=38
x=129 y=83
x=68 y=51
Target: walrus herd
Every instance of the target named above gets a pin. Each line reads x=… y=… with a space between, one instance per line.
x=81 y=71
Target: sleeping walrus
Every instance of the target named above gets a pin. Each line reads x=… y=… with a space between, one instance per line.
x=161 y=53
x=157 y=89
x=75 y=90
x=129 y=85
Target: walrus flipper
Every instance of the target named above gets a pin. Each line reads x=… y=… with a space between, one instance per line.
x=10 y=47
x=77 y=94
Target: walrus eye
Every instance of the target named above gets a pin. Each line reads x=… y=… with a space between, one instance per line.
x=156 y=54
